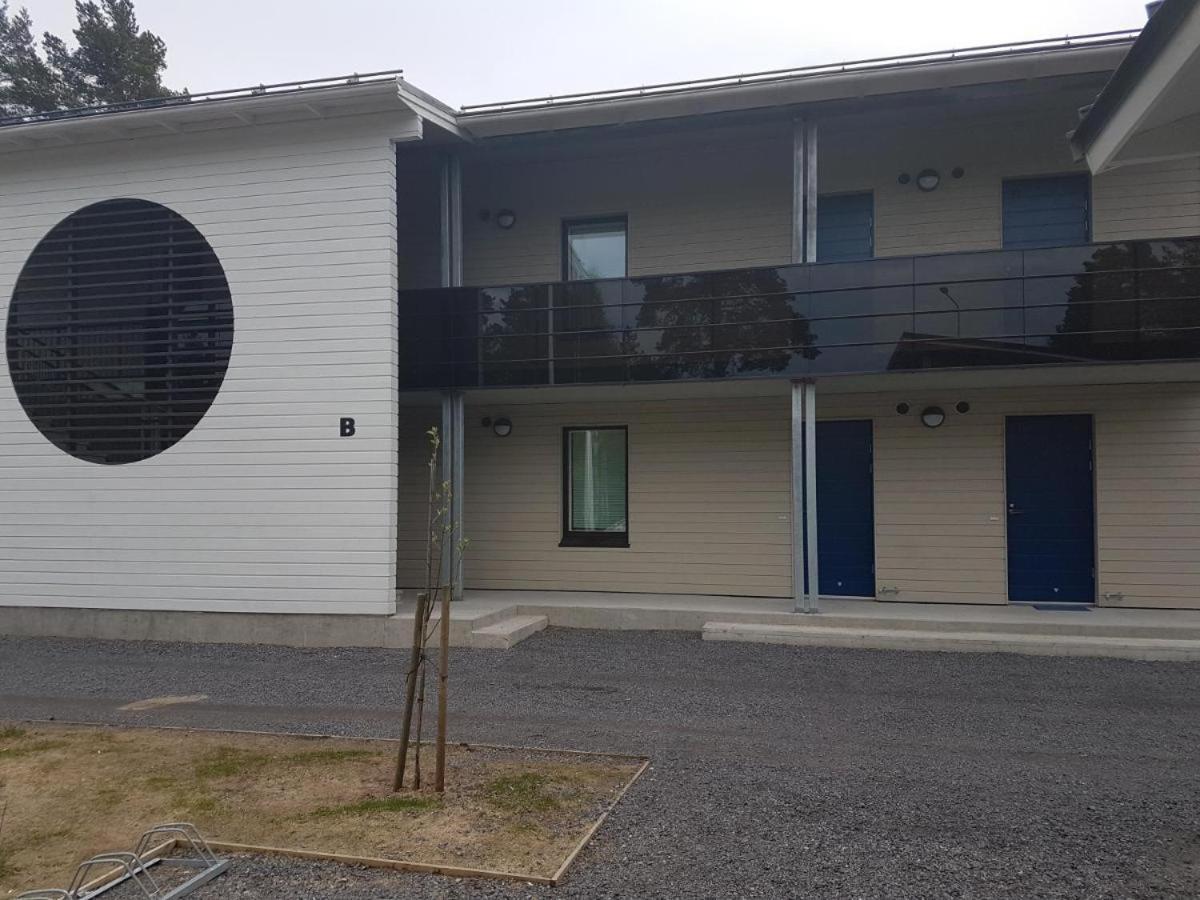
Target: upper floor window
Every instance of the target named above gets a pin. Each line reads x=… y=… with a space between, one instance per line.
x=845 y=227
x=594 y=248
x=1051 y=211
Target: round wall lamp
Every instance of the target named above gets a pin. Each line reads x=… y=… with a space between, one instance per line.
x=506 y=219
x=928 y=180
x=903 y=178
x=902 y=409
x=958 y=172
x=962 y=406
x=933 y=416
x=502 y=427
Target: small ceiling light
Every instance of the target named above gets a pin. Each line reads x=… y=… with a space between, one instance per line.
x=928 y=180
x=933 y=416
x=506 y=219
x=502 y=427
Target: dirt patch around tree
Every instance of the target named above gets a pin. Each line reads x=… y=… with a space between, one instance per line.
x=71 y=791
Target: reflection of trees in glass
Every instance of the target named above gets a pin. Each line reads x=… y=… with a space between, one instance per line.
x=1130 y=294
x=722 y=323
x=512 y=326
x=590 y=342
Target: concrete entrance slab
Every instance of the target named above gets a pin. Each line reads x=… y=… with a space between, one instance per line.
x=501 y=619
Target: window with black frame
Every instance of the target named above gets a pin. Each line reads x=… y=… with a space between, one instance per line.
x=596 y=487
x=594 y=248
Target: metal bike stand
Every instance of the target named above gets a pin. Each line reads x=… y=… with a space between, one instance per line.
x=135 y=872
x=205 y=863
x=136 y=868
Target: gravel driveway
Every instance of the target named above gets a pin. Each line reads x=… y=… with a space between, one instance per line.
x=778 y=772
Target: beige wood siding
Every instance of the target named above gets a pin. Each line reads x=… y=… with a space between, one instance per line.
x=709 y=494
x=964 y=213
x=1148 y=497
x=712 y=200
x=1150 y=201
x=939 y=498
x=262 y=507
x=709 y=502
x=721 y=198
x=939 y=493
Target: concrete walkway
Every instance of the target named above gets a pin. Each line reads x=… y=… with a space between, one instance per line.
x=504 y=618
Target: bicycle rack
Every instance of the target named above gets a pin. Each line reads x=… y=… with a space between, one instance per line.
x=134 y=868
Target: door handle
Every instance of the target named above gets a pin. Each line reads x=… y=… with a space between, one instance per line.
x=1013 y=511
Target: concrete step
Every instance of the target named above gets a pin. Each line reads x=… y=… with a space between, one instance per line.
x=996 y=641
x=1073 y=624
x=507 y=633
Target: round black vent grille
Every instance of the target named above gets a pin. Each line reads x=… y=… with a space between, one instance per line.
x=119 y=331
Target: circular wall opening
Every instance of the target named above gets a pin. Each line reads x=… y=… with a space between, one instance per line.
x=119 y=331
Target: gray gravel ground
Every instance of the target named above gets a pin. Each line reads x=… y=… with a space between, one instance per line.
x=778 y=772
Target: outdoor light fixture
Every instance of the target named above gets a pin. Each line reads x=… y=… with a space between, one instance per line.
x=506 y=219
x=902 y=409
x=903 y=178
x=933 y=416
x=502 y=427
x=928 y=180
x=962 y=406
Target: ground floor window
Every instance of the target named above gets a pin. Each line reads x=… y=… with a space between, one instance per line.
x=596 y=487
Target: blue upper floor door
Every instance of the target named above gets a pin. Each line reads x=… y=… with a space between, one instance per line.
x=1051 y=510
x=845 y=227
x=1053 y=211
x=845 y=509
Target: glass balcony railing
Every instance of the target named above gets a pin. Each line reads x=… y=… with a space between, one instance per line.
x=1100 y=303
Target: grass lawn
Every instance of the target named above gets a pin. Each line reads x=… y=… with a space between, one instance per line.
x=71 y=791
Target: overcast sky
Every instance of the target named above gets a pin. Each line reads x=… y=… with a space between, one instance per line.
x=472 y=51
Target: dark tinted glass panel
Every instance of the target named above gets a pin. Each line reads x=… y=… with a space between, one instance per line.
x=845 y=227
x=119 y=331
x=1100 y=303
x=1047 y=212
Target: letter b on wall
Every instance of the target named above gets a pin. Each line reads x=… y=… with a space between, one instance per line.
x=347 y=427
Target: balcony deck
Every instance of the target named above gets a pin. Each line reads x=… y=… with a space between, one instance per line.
x=1131 y=301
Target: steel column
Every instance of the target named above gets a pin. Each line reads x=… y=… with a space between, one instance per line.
x=805 y=575
x=453 y=403
x=804 y=191
x=452 y=474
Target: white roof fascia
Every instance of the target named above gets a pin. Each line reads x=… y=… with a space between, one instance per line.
x=1164 y=79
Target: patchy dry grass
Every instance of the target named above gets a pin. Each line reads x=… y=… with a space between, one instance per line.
x=73 y=791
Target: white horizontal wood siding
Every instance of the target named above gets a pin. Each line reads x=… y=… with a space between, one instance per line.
x=262 y=507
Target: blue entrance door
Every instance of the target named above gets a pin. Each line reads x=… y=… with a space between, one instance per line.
x=1051 y=515
x=845 y=509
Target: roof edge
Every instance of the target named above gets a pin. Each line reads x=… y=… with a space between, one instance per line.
x=1156 y=34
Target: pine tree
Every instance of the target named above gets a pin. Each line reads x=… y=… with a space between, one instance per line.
x=27 y=83
x=113 y=61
